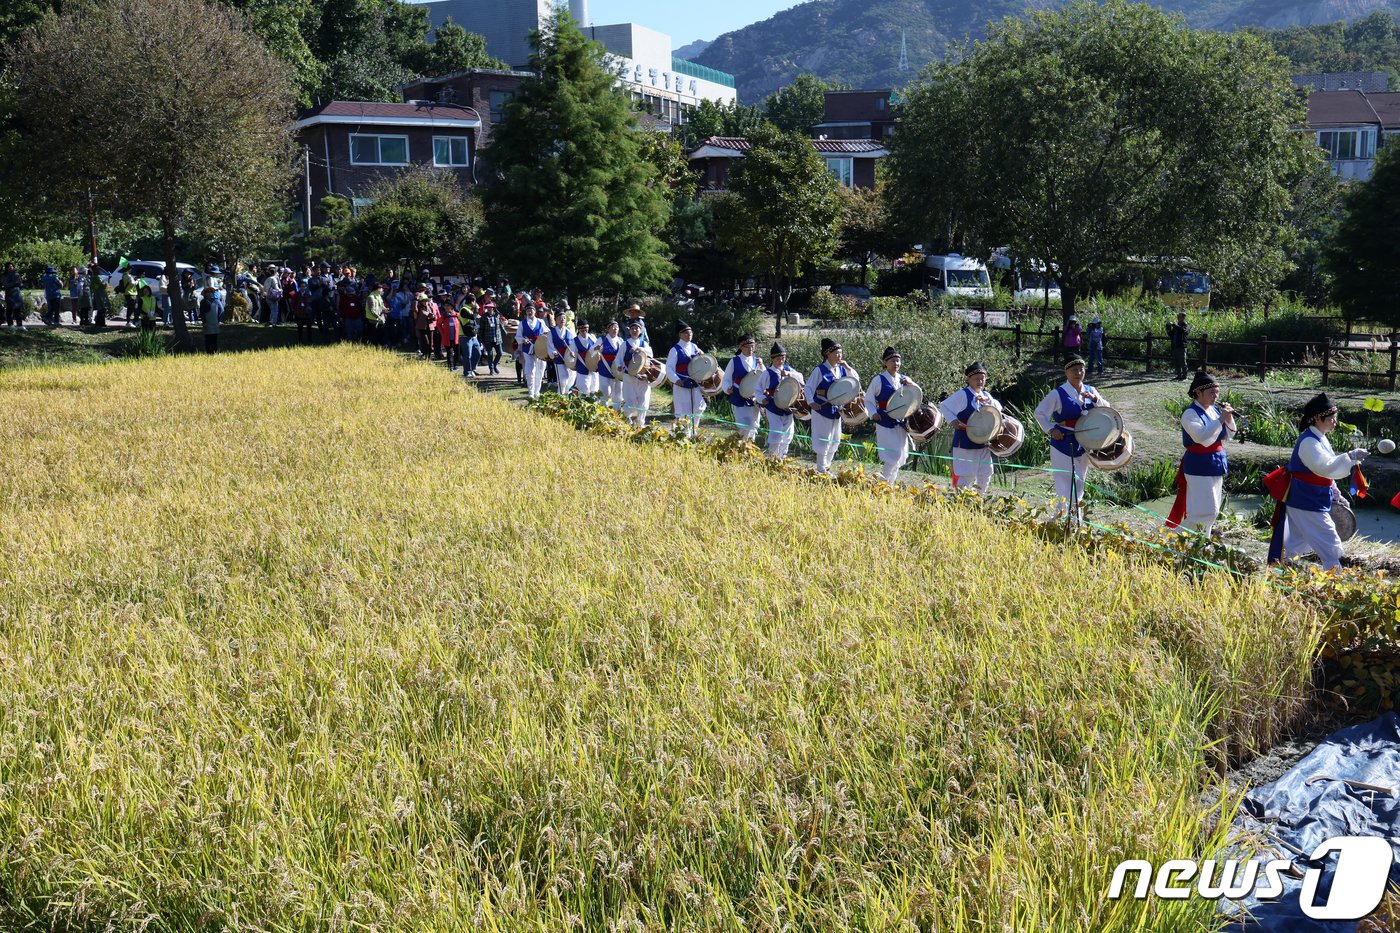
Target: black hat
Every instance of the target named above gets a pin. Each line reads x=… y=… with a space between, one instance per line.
x=682 y=325
x=582 y=325
x=1203 y=380
x=1319 y=404
x=1074 y=359
x=889 y=352
x=976 y=367
x=777 y=349
x=828 y=345
x=746 y=338
x=609 y=324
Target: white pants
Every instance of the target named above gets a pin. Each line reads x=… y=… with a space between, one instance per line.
x=636 y=399
x=534 y=375
x=565 y=374
x=973 y=468
x=1312 y=531
x=826 y=440
x=586 y=383
x=1204 y=495
x=688 y=404
x=612 y=390
x=747 y=416
x=894 y=450
x=1068 y=494
x=780 y=431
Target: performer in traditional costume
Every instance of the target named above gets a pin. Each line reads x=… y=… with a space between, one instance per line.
x=1057 y=414
x=636 y=391
x=530 y=328
x=826 y=417
x=780 y=422
x=745 y=409
x=1306 y=489
x=1200 y=479
x=688 y=402
x=972 y=462
x=891 y=437
x=610 y=367
x=585 y=382
x=560 y=336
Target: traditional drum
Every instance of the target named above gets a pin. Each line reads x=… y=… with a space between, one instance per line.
x=541 y=347
x=748 y=386
x=1098 y=428
x=1115 y=456
x=983 y=424
x=592 y=358
x=923 y=423
x=1009 y=439
x=790 y=398
x=1344 y=519
x=904 y=400
x=842 y=391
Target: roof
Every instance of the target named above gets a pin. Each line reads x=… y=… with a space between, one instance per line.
x=1340 y=108
x=736 y=146
x=373 y=113
x=1387 y=107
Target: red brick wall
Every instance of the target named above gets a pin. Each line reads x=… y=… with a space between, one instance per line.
x=352 y=180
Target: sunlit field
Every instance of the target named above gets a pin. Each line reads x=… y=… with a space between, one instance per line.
x=324 y=639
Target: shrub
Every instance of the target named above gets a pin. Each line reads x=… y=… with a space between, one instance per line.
x=31 y=256
x=718 y=327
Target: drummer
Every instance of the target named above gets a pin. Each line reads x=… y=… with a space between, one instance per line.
x=972 y=463
x=636 y=391
x=1200 y=479
x=585 y=380
x=891 y=436
x=531 y=327
x=826 y=418
x=1057 y=414
x=780 y=421
x=1303 y=521
x=688 y=402
x=739 y=366
x=561 y=335
x=610 y=367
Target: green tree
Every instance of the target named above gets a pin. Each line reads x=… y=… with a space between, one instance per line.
x=795 y=108
x=326 y=240
x=423 y=216
x=1363 y=254
x=716 y=119
x=866 y=231
x=206 y=141
x=781 y=214
x=455 y=49
x=1090 y=134
x=576 y=207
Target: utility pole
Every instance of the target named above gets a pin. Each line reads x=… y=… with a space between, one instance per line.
x=92 y=228
x=306 y=193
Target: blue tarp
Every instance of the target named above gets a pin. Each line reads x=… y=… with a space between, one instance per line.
x=1303 y=816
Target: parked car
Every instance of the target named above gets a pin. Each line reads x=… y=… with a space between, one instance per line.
x=860 y=293
x=151 y=270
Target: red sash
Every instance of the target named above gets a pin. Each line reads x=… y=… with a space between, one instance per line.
x=1178 y=511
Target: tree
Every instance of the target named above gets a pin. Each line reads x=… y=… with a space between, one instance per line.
x=455 y=49
x=1363 y=253
x=577 y=207
x=711 y=118
x=795 y=108
x=173 y=134
x=781 y=213
x=422 y=216
x=1088 y=135
x=866 y=231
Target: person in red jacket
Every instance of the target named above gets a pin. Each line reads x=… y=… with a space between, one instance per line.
x=352 y=313
x=449 y=333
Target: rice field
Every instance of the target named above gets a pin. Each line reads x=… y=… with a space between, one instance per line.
x=325 y=640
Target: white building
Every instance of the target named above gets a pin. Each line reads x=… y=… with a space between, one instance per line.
x=642 y=57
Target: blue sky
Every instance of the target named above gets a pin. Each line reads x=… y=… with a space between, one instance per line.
x=686 y=20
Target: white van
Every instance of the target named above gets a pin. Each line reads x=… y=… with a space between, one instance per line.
x=1030 y=285
x=958 y=276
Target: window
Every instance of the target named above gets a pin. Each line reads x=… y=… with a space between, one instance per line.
x=499 y=99
x=378 y=150
x=843 y=170
x=450 y=151
x=1342 y=145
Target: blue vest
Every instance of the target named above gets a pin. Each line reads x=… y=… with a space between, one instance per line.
x=530 y=330
x=882 y=398
x=611 y=348
x=960 y=434
x=632 y=347
x=771 y=378
x=581 y=347
x=1195 y=464
x=1302 y=495
x=683 y=368
x=559 y=341
x=828 y=376
x=1069 y=410
x=741 y=369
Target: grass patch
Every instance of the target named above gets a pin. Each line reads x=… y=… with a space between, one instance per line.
x=325 y=639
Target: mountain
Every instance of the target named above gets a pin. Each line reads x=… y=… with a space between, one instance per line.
x=857 y=42
x=692 y=49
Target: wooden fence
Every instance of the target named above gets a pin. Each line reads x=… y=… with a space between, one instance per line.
x=1155 y=349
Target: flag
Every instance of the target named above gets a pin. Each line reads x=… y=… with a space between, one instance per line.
x=1396 y=501
x=1358 y=483
x=122 y=264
